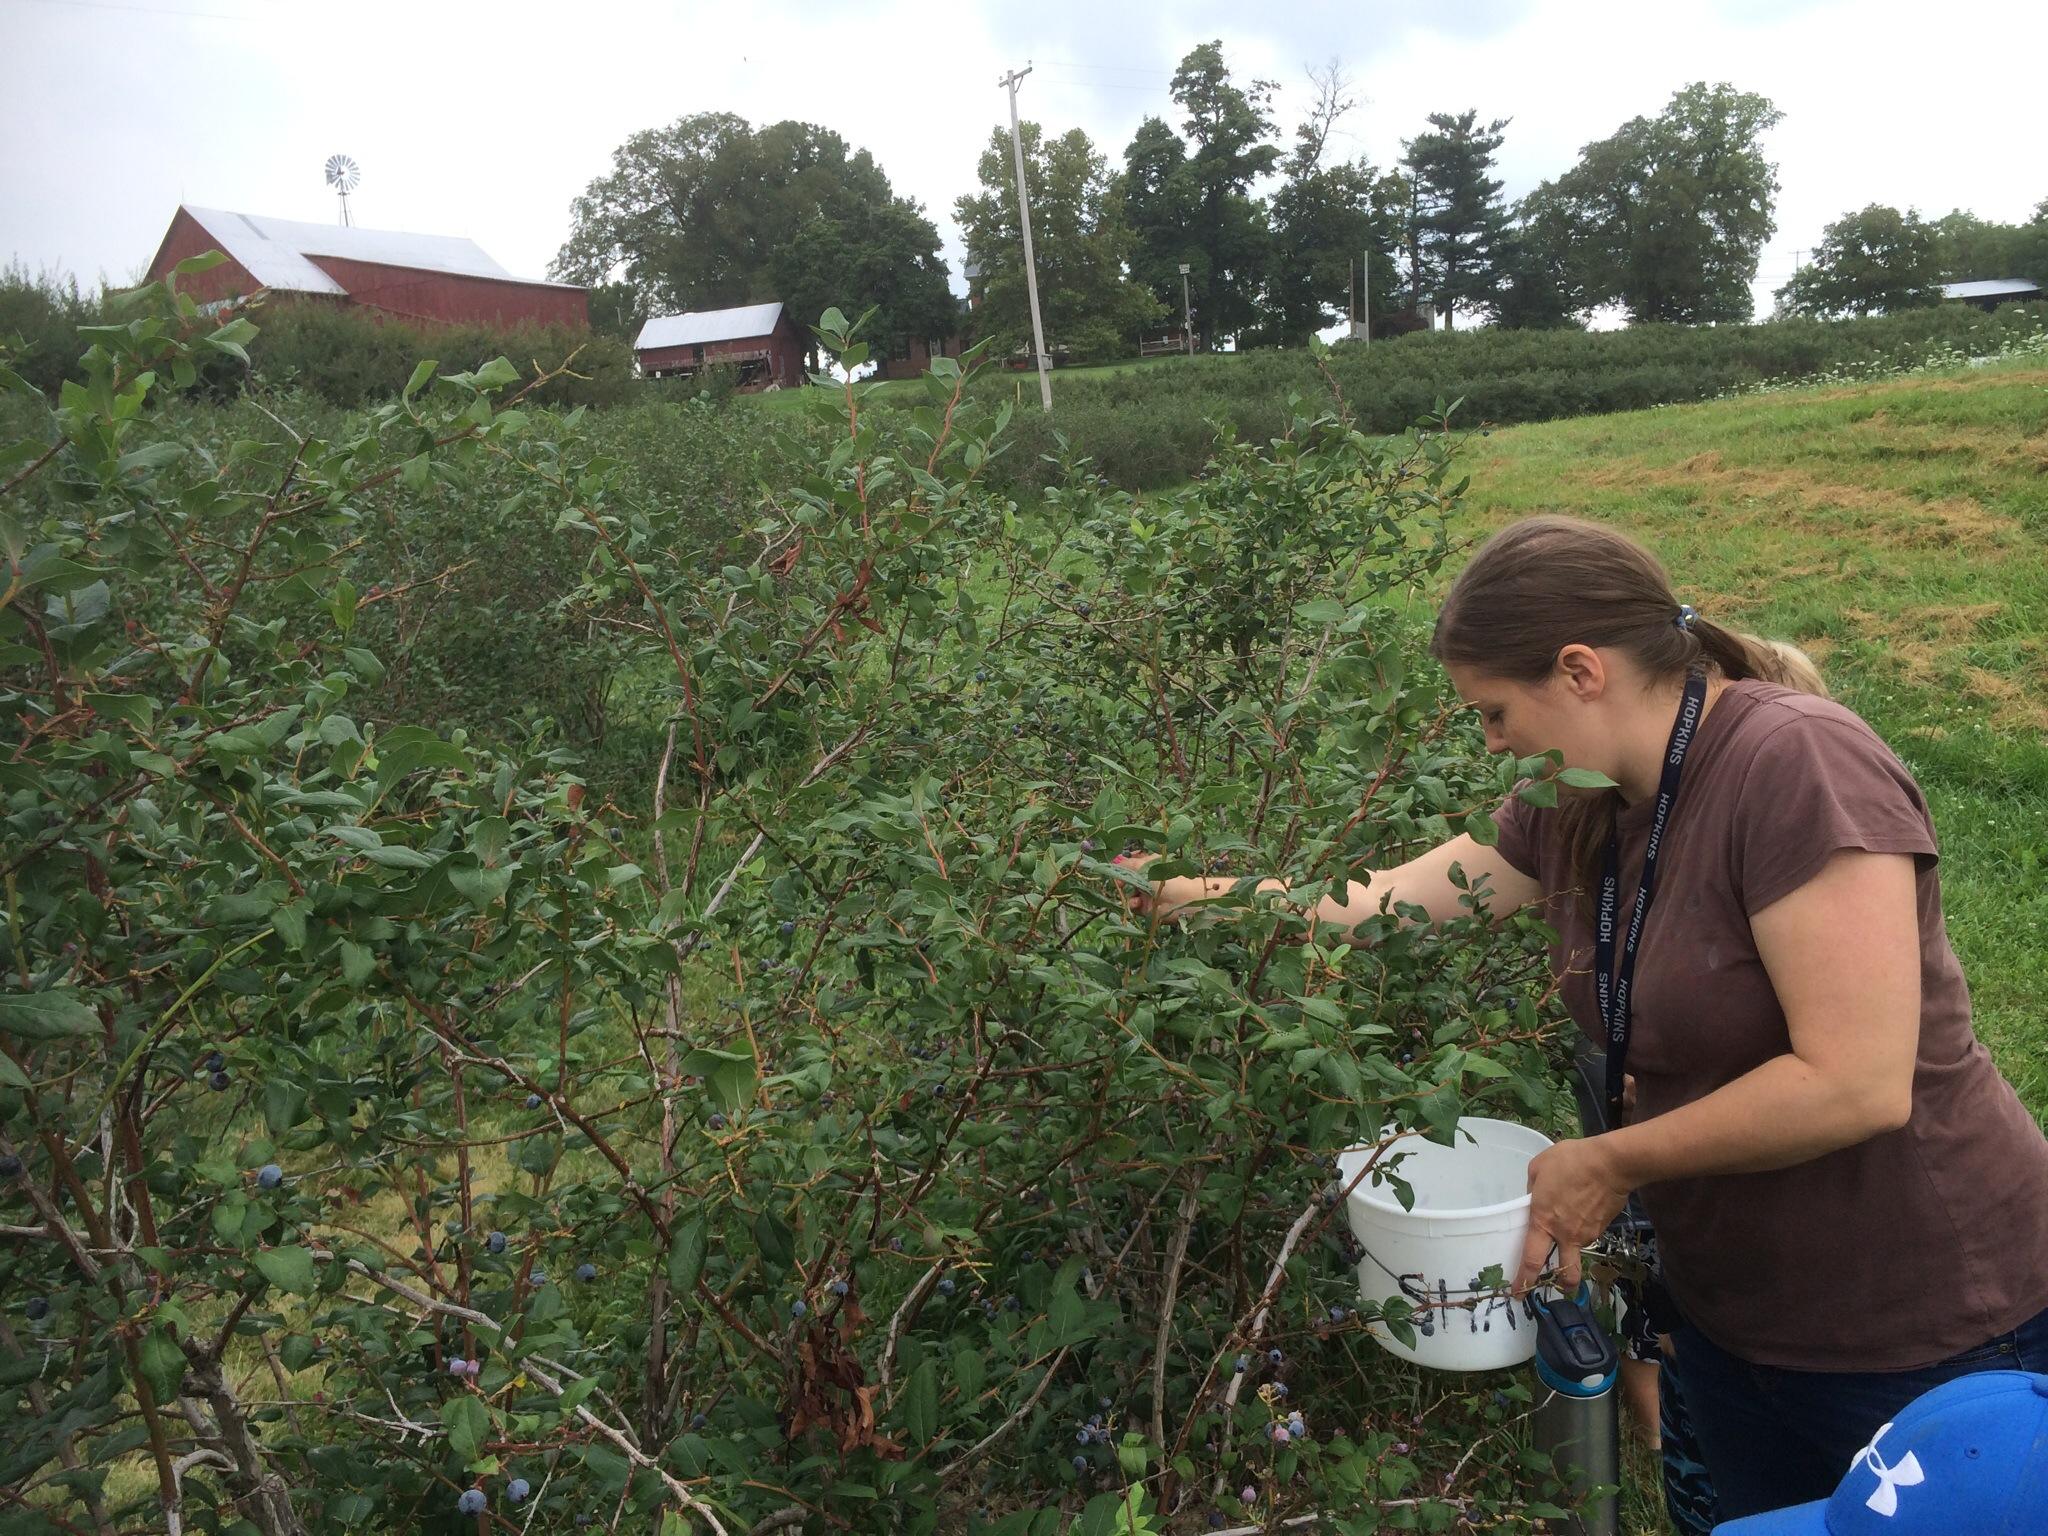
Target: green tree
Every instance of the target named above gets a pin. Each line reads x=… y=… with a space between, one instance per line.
x=1324 y=218
x=1876 y=260
x=1673 y=211
x=1541 y=284
x=710 y=212
x=1459 y=218
x=1191 y=201
x=1090 y=307
x=1969 y=248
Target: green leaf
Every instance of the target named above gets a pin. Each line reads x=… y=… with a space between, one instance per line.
x=398 y=856
x=1539 y=792
x=573 y=1395
x=11 y=1075
x=289 y=1269
x=1585 y=778
x=776 y=1241
x=480 y=886
x=163 y=1364
x=728 y=1074
x=970 y=1373
x=357 y=962
x=686 y=1256
x=921 y=1403
x=55 y=1013
x=467 y=1421
x=422 y=371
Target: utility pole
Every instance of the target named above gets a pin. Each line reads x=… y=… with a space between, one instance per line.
x=1187 y=312
x=1024 y=216
x=1365 y=271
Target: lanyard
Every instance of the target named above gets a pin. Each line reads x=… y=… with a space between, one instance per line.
x=1614 y=990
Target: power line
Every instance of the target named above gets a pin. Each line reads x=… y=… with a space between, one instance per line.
x=146 y=10
x=1126 y=69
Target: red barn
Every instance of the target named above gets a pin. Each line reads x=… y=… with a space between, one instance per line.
x=760 y=340
x=433 y=278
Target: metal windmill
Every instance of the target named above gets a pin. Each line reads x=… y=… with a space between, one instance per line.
x=342 y=175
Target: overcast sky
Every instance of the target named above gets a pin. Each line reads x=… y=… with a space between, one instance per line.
x=486 y=120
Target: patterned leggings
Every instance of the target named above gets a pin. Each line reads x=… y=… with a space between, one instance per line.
x=1688 y=1490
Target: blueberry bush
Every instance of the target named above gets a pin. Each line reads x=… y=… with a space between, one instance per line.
x=399 y=1135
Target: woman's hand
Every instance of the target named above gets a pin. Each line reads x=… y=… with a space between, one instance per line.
x=1167 y=897
x=1573 y=1195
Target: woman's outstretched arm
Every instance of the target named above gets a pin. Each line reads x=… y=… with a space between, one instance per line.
x=1424 y=881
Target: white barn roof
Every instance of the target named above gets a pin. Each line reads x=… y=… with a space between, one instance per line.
x=698 y=326
x=276 y=252
x=1989 y=288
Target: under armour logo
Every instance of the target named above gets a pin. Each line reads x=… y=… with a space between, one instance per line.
x=1890 y=1480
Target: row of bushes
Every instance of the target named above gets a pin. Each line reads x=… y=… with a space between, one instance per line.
x=346 y=357
x=1154 y=425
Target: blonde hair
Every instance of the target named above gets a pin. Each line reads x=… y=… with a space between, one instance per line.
x=1783 y=663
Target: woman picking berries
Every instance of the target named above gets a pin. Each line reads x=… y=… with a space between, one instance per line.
x=1851 y=1204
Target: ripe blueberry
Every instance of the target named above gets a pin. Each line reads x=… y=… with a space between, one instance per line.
x=1336 y=1314
x=10 y=1167
x=946 y=1286
x=1274 y=1357
x=618 y=834
x=895 y=1245
x=533 y=1101
x=837 y=1287
x=1102 y=1403
x=471 y=1502
x=1084 y=1437
x=1240 y=1363
x=586 y=1273
x=495 y=1242
x=1011 y=1303
x=698 y=1421
x=1279 y=1389
x=218 y=1082
x=214 y=1061
x=38 y=1308
x=517 y=1490
x=540 y=1276
x=270 y=1176
x=1026 y=1256
x=716 y=1122
x=798 y=1309
x=788 y=929
x=458 y=1366
x=1080 y=1463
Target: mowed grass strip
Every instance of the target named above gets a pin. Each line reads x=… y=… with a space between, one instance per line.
x=1898 y=531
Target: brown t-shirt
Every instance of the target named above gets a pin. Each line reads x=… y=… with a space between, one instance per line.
x=1895 y=1253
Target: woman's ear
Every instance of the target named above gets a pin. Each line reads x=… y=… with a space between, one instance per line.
x=1583 y=672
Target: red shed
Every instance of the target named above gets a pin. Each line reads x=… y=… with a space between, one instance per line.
x=432 y=278
x=760 y=340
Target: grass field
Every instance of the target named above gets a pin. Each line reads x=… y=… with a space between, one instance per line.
x=1899 y=531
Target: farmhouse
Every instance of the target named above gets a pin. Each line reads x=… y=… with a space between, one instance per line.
x=1989 y=293
x=759 y=340
x=433 y=278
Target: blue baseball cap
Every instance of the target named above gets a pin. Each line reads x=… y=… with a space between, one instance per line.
x=1969 y=1456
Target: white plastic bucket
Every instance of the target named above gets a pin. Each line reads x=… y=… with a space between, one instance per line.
x=1471 y=1211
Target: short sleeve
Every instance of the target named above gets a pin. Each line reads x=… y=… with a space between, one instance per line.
x=1521 y=827
x=1818 y=785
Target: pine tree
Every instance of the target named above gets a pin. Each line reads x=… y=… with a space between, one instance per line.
x=1459 y=218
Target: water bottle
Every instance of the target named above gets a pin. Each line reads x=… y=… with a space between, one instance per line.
x=1578 y=1413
